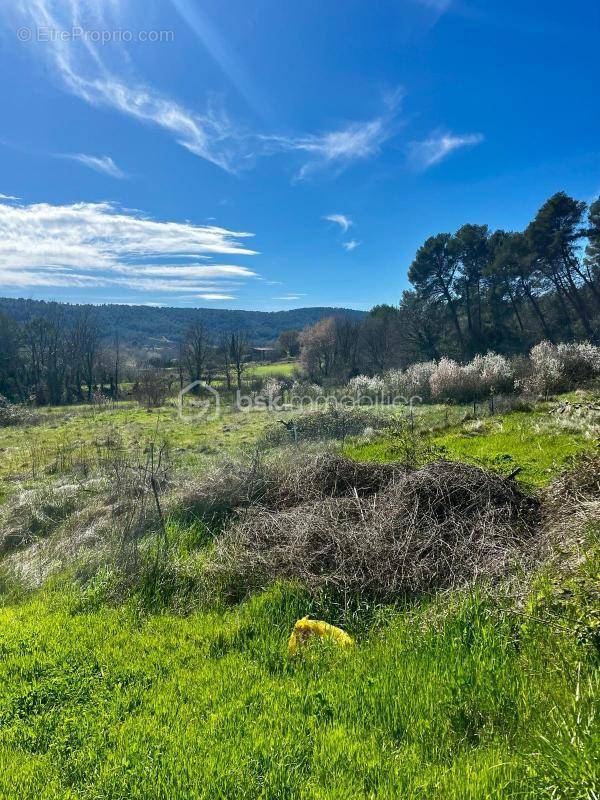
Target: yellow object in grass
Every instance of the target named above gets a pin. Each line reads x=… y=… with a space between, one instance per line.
x=306 y=628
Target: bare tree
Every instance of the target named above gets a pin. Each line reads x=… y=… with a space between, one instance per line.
x=238 y=348
x=152 y=387
x=289 y=343
x=91 y=338
x=196 y=348
x=224 y=353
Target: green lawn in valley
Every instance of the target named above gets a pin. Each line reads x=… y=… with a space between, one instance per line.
x=285 y=368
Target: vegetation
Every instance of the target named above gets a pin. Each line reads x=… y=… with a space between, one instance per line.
x=148 y=327
x=153 y=661
x=536 y=443
x=474 y=291
x=156 y=556
x=469 y=698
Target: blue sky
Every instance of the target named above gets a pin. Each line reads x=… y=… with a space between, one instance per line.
x=271 y=154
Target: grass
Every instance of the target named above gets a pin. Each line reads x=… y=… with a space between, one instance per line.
x=279 y=368
x=109 y=703
x=470 y=696
x=528 y=441
x=68 y=437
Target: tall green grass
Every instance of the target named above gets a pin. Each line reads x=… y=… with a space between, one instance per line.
x=459 y=700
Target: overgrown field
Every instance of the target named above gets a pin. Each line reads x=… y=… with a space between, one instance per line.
x=155 y=665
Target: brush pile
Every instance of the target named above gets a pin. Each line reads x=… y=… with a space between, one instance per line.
x=383 y=530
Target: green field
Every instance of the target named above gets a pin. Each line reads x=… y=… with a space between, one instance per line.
x=529 y=442
x=280 y=368
x=67 y=438
x=471 y=695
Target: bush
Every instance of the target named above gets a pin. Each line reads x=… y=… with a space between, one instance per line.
x=578 y=362
x=449 y=381
x=11 y=414
x=546 y=375
x=335 y=422
x=558 y=368
x=484 y=375
x=413 y=382
x=362 y=386
x=303 y=391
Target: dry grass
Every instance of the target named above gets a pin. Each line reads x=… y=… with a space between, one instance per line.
x=381 y=530
x=571 y=505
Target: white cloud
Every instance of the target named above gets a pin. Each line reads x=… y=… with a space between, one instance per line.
x=211 y=296
x=431 y=151
x=351 y=245
x=341 y=219
x=337 y=149
x=191 y=270
x=103 y=164
x=98 y=244
x=8 y=197
x=290 y=297
x=85 y=71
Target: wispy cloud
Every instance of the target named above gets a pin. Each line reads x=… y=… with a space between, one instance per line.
x=436 y=148
x=99 y=244
x=340 y=219
x=288 y=297
x=8 y=197
x=351 y=245
x=220 y=49
x=436 y=5
x=213 y=296
x=84 y=70
x=103 y=164
x=339 y=148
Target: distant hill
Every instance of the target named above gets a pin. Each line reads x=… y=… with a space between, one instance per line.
x=144 y=326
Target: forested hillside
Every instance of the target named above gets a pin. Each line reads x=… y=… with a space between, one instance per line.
x=145 y=326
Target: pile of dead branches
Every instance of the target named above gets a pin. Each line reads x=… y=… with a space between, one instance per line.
x=384 y=533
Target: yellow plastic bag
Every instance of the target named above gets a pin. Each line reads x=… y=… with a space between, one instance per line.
x=306 y=628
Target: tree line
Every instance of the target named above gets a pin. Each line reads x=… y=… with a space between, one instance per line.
x=473 y=291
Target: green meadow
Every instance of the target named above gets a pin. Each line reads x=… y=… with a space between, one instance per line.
x=490 y=692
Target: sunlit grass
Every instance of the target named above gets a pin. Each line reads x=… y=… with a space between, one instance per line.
x=524 y=441
x=464 y=697
x=113 y=704
x=68 y=435
x=284 y=368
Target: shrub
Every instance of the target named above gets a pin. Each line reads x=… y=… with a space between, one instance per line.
x=394 y=382
x=334 y=422
x=450 y=381
x=494 y=374
x=418 y=377
x=11 y=414
x=302 y=391
x=413 y=382
x=578 y=362
x=484 y=375
x=362 y=386
x=557 y=368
